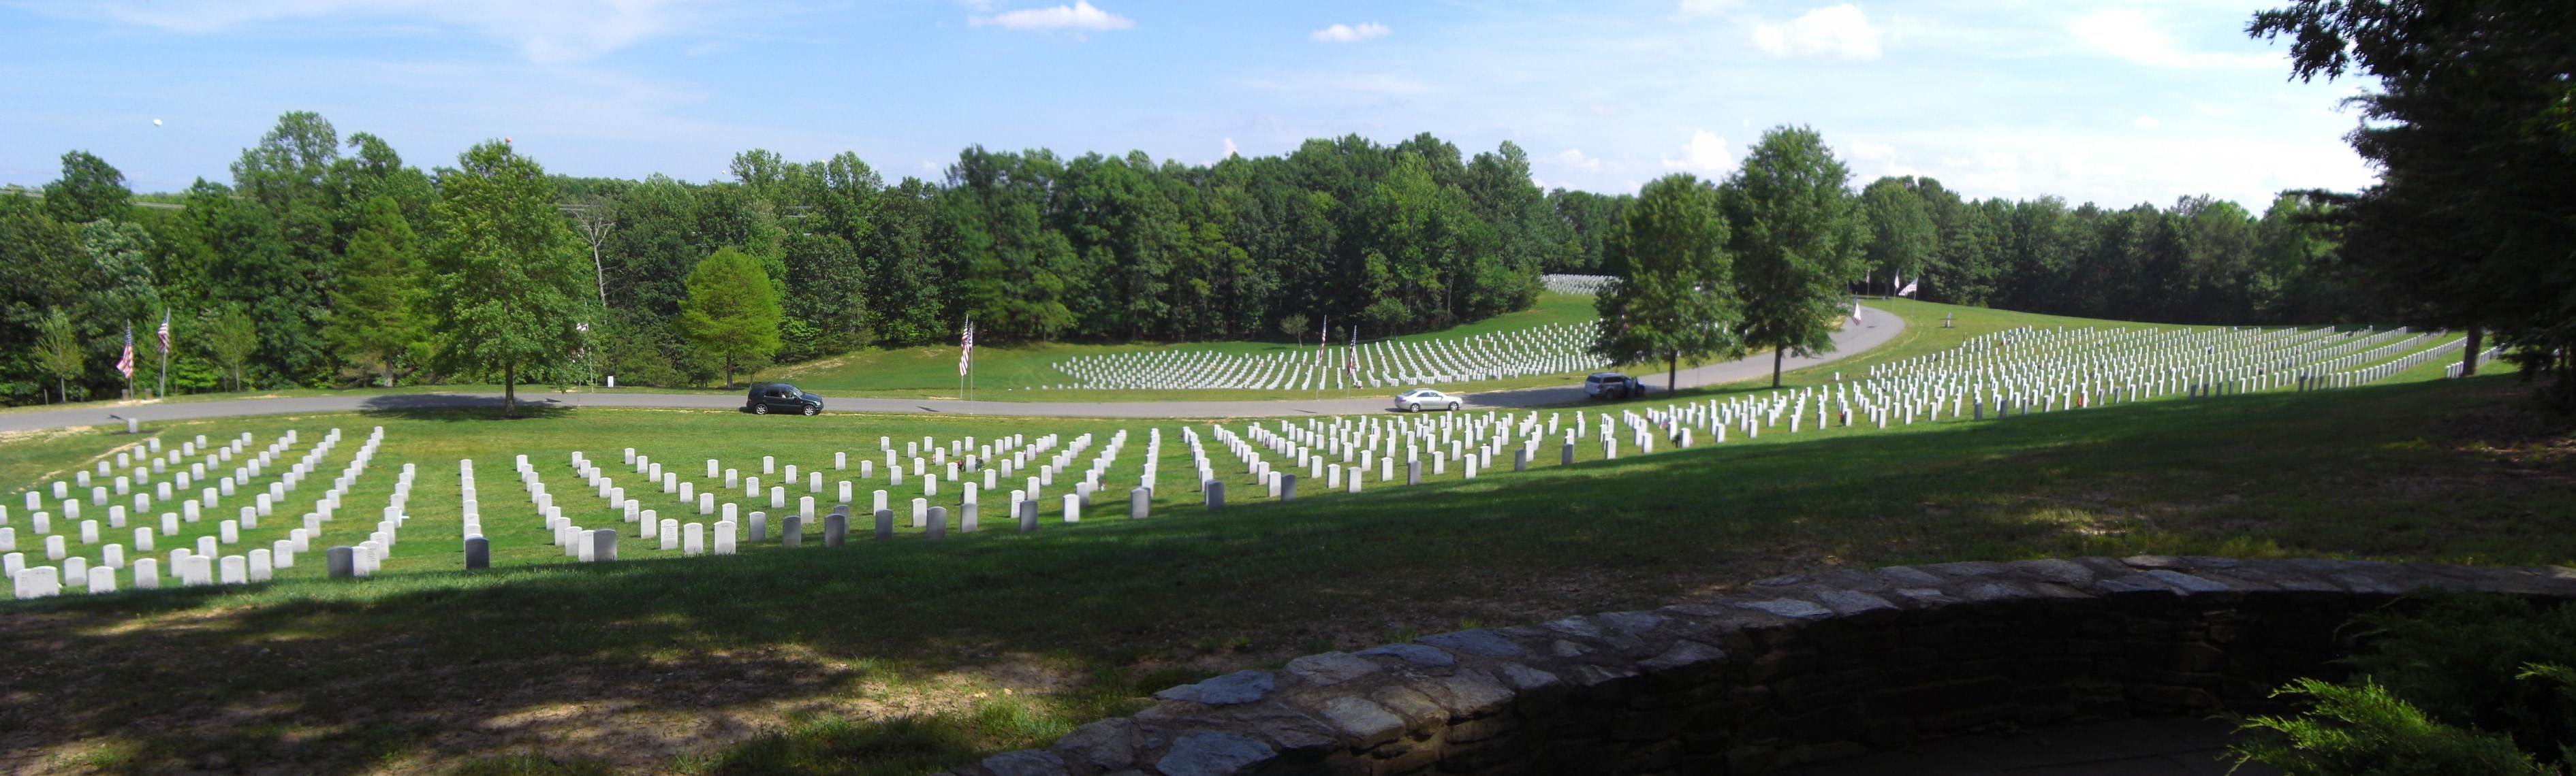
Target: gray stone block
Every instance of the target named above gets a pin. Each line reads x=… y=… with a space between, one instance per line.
x=1330 y=668
x=478 y=553
x=1369 y=723
x=1230 y=689
x=1212 y=753
x=1474 y=642
x=1412 y=653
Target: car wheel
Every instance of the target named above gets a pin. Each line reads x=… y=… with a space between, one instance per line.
x=810 y=411
x=760 y=409
x=1453 y=406
x=1413 y=408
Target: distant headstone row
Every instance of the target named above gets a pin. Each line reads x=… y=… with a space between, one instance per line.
x=1579 y=285
x=1539 y=350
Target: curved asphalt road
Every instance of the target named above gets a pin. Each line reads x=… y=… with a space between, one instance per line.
x=1878 y=326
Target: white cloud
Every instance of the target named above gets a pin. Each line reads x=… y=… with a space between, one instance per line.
x=2146 y=122
x=1705 y=154
x=1344 y=33
x=543 y=31
x=1081 y=15
x=1692 y=9
x=1574 y=158
x=2130 y=35
x=1836 y=32
x=1230 y=150
x=1872 y=151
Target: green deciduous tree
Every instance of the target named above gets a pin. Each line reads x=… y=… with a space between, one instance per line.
x=2473 y=127
x=231 y=338
x=89 y=190
x=511 y=280
x=58 y=351
x=1675 y=293
x=732 y=311
x=376 y=314
x=1797 y=238
x=1903 y=239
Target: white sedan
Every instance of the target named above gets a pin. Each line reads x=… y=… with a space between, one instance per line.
x=1418 y=398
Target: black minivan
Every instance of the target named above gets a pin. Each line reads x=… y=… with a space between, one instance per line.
x=780 y=397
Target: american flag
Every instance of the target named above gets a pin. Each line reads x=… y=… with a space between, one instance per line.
x=126 y=364
x=1910 y=287
x=165 y=330
x=965 y=347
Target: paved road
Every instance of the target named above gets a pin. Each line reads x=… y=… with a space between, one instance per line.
x=1877 y=328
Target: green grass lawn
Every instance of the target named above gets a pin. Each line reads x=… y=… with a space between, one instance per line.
x=909 y=655
x=915 y=653
x=1010 y=372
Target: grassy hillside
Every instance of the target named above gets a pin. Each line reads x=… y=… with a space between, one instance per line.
x=908 y=655
x=1007 y=372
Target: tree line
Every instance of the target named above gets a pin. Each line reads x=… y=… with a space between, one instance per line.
x=313 y=264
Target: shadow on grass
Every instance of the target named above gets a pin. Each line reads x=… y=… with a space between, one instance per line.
x=2315 y=474
x=453 y=407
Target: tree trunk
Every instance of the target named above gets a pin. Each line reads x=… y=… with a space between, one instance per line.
x=1672 y=372
x=1777 y=355
x=2469 y=356
x=728 y=373
x=509 y=390
x=389 y=372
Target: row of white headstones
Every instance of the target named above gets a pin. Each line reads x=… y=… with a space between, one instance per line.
x=997 y=464
x=204 y=564
x=2021 y=370
x=1538 y=350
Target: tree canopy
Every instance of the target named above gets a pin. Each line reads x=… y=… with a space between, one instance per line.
x=1675 y=294
x=512 y=280
x=2473 y=126
x=1382 y=238
x=732 y=311
x=1797 y=237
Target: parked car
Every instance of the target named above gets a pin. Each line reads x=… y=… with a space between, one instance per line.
x=1612 y=385
x=766 y=398
x=1418 y=398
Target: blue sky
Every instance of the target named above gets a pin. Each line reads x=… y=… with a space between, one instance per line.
x=2115 y=103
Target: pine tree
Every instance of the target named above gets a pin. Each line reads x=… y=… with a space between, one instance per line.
x=376 y=314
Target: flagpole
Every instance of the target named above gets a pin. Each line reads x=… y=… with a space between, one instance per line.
x=161 y=385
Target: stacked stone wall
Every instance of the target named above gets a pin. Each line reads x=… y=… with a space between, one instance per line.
x=1795 y=670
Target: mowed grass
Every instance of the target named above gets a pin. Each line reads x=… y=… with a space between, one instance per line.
x=1008 y=372
x=908 y=655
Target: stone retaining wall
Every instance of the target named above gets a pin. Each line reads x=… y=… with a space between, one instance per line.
x=1798 y=669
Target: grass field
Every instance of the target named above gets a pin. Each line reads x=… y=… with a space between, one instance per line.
x=1009 y=372
x=908 y=655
